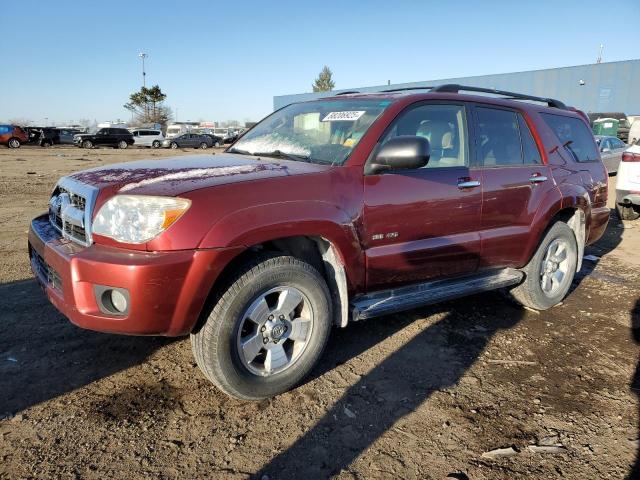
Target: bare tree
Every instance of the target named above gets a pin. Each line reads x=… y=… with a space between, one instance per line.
x=20 y=121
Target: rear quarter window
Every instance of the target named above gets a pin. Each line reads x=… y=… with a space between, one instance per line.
x=574 y=136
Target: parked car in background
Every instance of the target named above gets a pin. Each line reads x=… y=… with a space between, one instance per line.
x=105 y=137
x=48 y=136
x=628 y=184
x=611 y=149
x=13 y=136
x=144 y=137
x=188 y=140
x=217 y=141
x=330 y=211
x=634 y=132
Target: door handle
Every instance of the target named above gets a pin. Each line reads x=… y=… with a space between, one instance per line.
x=536 y=178
x=468 y=183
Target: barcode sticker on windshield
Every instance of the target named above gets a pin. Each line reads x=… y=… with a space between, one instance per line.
x=351 y=116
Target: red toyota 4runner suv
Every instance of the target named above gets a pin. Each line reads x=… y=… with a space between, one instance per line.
x=326 y=212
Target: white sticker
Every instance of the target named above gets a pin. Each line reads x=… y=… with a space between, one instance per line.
x=608 y=124
x=351 y=116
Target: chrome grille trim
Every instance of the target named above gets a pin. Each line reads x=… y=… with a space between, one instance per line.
x=71 y=208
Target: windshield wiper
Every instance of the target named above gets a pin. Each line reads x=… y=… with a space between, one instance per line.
x=241 y=152
x=281 y=154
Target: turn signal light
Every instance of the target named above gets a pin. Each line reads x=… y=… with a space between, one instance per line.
x=630 y=157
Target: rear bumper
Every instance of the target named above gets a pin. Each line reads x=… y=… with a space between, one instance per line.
x=598 y=221
x=627 y=197
x=167 y=290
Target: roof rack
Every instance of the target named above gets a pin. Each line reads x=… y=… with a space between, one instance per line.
x=348 y=92
x=405 y=89
x=454 y=88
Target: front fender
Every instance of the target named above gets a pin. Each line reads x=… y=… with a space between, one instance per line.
x=262 y=223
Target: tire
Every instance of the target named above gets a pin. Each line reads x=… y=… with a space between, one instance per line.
x=628 y=212
x=204 y=145
x=217 y=343
x=13 y=143
x=122 y=144
x=155 y=144
x=540 y=270
x=46 y=144
x=216 y=144
x=173 y=145
x=87 y=144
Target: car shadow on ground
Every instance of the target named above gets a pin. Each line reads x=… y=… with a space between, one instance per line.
x=43 y=355
x=635 y=383
x=435 y=359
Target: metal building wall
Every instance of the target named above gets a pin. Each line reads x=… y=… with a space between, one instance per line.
x=608 y=87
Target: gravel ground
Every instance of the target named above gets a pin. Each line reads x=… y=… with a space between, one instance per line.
x=473 y=389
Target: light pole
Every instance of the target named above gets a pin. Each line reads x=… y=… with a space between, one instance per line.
x=143 y=55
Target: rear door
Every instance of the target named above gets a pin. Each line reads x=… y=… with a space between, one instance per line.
x=423 y=224
x=514 y=181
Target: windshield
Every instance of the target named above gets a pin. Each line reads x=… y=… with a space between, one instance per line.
x=324 y=131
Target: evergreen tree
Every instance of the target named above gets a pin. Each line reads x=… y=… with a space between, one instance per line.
x=324 y=82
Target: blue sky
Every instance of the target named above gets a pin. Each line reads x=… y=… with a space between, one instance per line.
x=68 y=60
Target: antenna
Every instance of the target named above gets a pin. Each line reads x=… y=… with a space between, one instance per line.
x=599 y=60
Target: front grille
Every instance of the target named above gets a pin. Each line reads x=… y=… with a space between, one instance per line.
x=70 y=210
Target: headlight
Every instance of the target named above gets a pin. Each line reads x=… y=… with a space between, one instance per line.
x=138 y=218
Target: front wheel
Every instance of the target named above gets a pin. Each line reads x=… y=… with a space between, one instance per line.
x=217 y=144
x=46 y=143
x=155 y=144
x=122 y=144
x=87 y=144
x=203 y=146
x=14 y=143
x=628 y=212
x=549 y=274
x=267 y=329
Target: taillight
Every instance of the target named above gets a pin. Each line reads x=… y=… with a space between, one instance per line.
x=630 y=157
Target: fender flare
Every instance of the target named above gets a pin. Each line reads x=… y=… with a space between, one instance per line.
x=272 y=221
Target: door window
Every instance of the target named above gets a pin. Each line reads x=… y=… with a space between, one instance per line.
x=444 y=126
x=529 y=148
x=498 y=137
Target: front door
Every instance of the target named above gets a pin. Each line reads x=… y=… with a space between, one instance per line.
x=423 y=224
x=514 y=182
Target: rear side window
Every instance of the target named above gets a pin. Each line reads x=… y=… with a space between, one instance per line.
x=573 y=135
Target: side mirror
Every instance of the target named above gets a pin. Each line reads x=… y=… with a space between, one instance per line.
x=406 y=152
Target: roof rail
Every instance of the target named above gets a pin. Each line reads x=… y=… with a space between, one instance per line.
x=348 y=92
x=454 y=88
x=405 y=88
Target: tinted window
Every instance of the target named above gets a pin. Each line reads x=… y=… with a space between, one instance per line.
x=529 y=147
x=617 y=143
x=498 y=137
x=443 y=125
x=4 y=129
x=573 y=135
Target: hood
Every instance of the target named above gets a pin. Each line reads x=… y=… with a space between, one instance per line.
x=176 y=175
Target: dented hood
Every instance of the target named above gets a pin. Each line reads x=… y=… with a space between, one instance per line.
x=177 y=175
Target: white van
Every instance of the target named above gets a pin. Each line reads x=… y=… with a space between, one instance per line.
x=147 y=137
x=634 y=132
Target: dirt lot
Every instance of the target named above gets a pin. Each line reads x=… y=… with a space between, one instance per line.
x=424 y=394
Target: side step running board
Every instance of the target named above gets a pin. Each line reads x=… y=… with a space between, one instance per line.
x=385 y=302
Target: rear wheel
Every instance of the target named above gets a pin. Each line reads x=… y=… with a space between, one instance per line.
x=549 y=274
x=46 y=143
x=87 y=144
x=628 y=212
x=216 y=144
x=14 y=143
x=122 y=144
x=267 y=329
x=203 y=145
x=174 y=145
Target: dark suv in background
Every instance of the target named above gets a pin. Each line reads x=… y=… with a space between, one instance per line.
x=105 y=137
x=48 y=136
